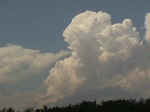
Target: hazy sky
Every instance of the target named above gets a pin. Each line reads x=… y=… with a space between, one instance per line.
x=109 y=42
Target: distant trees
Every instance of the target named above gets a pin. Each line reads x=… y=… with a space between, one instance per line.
x=7 y=110
x=120 y=105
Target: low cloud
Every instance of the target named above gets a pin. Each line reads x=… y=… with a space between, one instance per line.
x=23 y=71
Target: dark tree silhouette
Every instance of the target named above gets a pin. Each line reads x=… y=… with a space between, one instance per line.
x=121 y=105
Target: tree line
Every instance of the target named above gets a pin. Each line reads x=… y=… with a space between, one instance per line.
x=121 y=105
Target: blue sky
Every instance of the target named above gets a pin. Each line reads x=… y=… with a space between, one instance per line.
x=39 y=24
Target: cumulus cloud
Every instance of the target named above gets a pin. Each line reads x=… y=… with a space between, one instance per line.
x=23 y=71
x=18 y=63
x=107 y=61
x=147 y=26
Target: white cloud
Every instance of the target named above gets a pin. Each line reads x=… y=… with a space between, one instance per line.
x=106 y=61
x=104 y=55
x=18 y=63
x=147 y=26
x=22 y=72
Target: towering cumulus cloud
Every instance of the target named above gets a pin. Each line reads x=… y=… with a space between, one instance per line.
x=107 y=61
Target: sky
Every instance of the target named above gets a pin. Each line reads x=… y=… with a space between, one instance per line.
x=60 y=52
x=24 y=21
